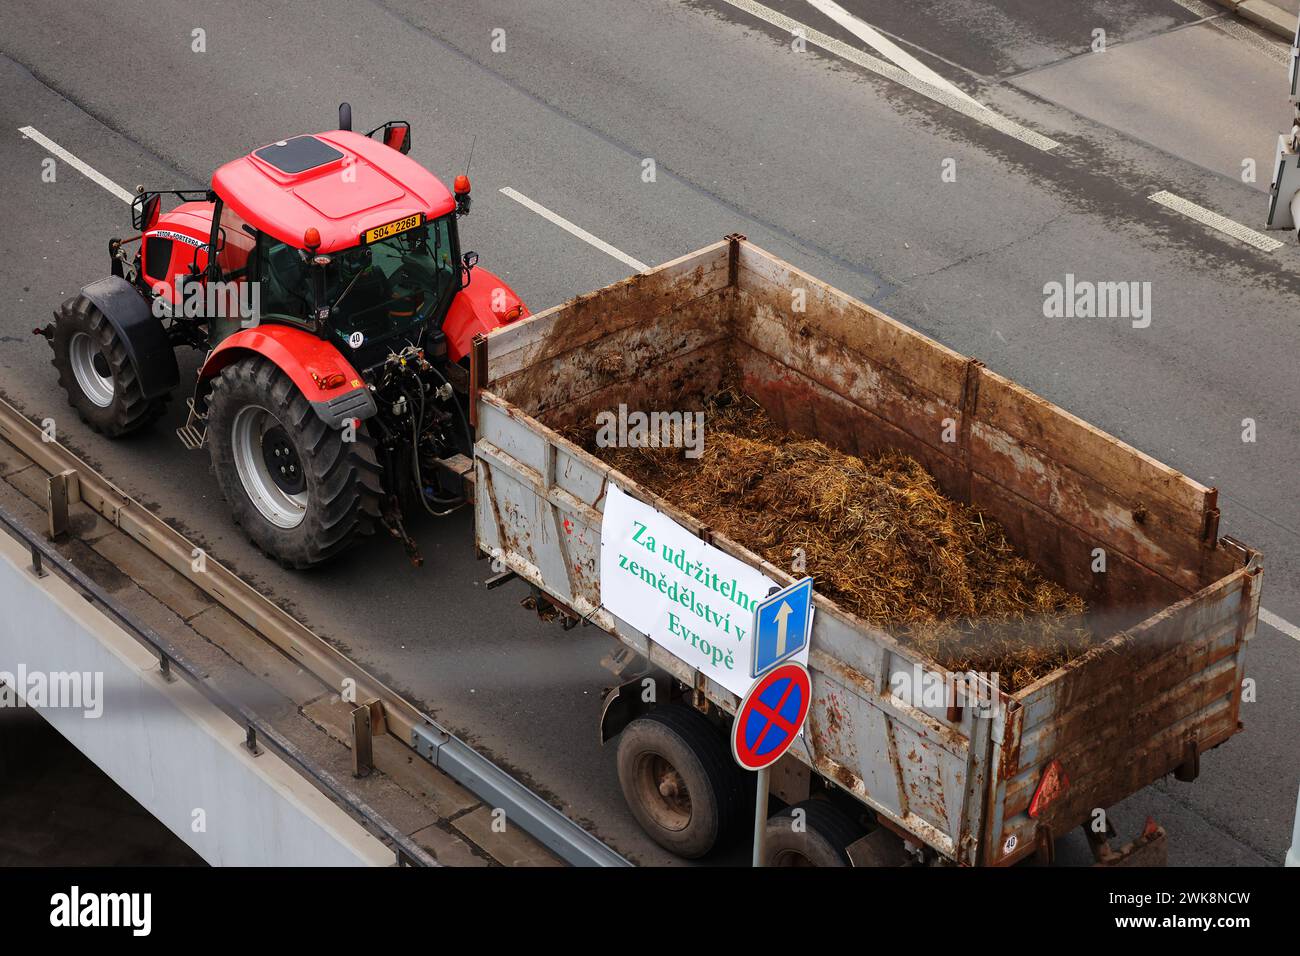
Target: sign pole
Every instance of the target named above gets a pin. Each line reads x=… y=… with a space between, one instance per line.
x=760 y=816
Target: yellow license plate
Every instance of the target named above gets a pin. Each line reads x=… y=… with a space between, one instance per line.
x=392 y=228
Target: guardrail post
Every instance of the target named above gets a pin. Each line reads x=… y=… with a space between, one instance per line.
x=363 y=757
x=36 y=568
x=59 y=493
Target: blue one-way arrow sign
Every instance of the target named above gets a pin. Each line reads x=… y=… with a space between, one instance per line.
x=782 y=623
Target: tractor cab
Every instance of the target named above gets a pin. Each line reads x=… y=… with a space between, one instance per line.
x=336 y=233
x=345 y=236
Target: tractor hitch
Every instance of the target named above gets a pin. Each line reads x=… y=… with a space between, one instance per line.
x=392 y=517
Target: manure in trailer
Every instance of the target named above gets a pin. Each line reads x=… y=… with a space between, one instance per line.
x=879 y=539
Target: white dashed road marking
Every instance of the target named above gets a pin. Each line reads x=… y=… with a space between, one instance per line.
x=960 y=104
x=963 y=104
x=1212 y=219
x=569 y=227
x=1280 y=623
x=889 y=49
x=90 y=172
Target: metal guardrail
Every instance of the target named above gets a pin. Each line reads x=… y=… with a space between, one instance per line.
x=534 y=815
x=497 y=788
x=172 y=661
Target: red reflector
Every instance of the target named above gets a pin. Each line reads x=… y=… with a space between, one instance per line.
x=326 y=382
x=1054 y=784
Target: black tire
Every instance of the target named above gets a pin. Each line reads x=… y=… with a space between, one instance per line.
x=679 y=780
x=341 y=480
x=826 y=834
x=126 y=410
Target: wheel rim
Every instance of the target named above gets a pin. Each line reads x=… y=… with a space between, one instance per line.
x=91 y=370
x=663 y=792
x=269 y=467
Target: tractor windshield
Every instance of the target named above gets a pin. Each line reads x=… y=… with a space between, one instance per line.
x=389 y=288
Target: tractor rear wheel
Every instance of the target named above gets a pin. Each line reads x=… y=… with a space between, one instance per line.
x=96 y=372
x=301 y=492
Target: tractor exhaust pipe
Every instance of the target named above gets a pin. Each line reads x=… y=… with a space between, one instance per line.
x=345 y=116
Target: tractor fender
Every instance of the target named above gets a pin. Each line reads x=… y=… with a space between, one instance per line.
x=141 y=332
x=485 y=304
x=312 y=364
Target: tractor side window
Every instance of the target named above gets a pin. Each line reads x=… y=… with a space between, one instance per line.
x=157 y=257
x=285 y=279
x=236 y=246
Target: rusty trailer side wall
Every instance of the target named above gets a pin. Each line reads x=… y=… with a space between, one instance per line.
x=826 y=365
x=1146 y=703
x=655 y=338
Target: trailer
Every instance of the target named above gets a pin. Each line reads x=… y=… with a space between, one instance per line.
x=882 y=776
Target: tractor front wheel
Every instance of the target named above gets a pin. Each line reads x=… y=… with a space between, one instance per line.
x=300 y=491
x=96 y=372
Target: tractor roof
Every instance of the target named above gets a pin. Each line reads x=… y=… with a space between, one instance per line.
x=340 y=182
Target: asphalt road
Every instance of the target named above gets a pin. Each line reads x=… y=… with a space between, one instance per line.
x=816 y=158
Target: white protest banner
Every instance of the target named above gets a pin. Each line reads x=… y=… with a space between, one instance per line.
x=686 y=595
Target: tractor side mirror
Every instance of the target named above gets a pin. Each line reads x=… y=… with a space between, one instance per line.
x=145 y=210
x=468 y=261
x=397 y=135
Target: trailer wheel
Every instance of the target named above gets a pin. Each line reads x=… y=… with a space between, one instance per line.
x=94 y=369
x=823 y=840
x=300 y=492
x=679 y=780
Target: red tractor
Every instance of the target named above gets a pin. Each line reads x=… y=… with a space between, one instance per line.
x=323 y=279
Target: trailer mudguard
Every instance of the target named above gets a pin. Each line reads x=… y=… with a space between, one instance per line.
x=326 y=379
x=141 y=332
